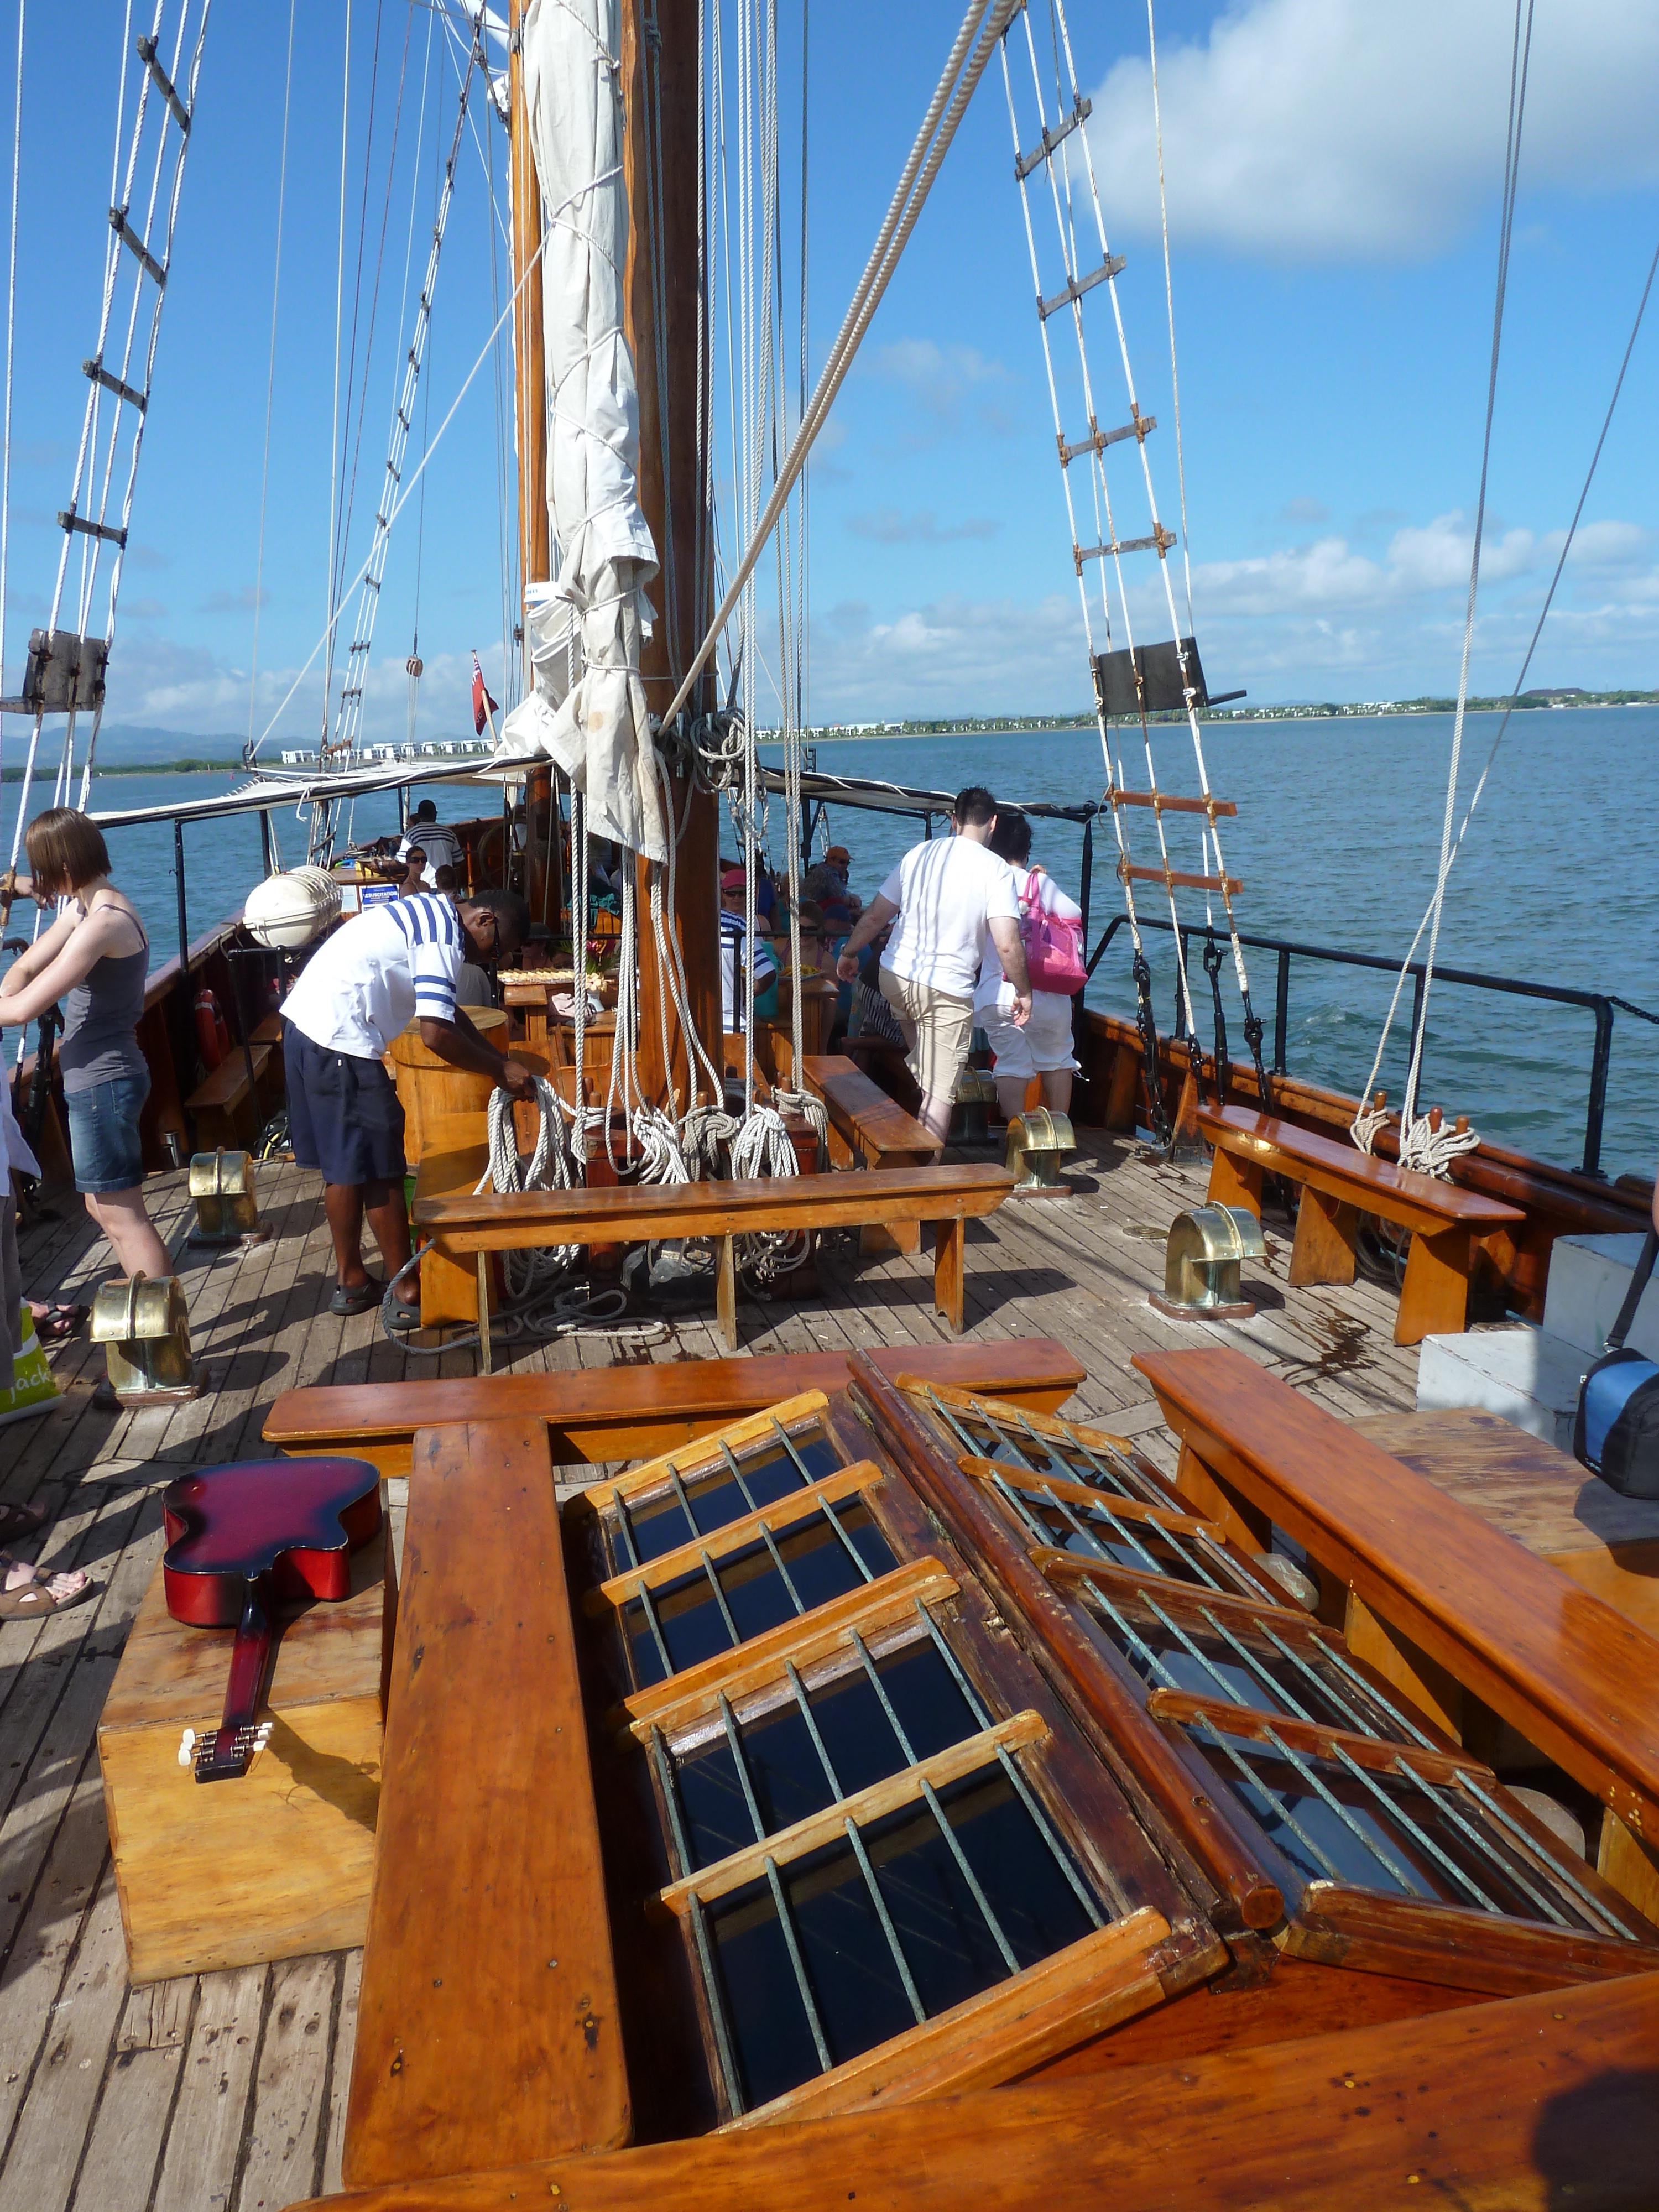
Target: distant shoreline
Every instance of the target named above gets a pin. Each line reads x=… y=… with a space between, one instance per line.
x=836 y=733
x=1321 y=711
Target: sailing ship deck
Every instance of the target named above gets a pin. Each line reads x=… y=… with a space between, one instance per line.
x=228 y=2090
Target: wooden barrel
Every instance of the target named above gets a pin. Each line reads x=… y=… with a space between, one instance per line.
x=432 y=1091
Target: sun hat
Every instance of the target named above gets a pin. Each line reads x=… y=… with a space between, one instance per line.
x=733 y=880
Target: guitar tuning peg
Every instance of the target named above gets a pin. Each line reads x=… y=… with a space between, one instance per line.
x=186 y=1746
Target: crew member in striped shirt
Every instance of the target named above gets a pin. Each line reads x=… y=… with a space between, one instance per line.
x=362 y=987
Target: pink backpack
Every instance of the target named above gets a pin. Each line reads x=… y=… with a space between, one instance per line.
x=1053 y=948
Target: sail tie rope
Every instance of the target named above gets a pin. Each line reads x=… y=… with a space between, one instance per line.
x=1421 y=1149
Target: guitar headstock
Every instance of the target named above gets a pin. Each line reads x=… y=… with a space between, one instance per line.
x=223 y=1755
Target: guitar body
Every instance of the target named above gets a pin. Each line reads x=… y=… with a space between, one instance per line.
x=240 y=1541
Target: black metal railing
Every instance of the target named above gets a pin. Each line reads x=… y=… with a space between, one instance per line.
x=1600 y=1005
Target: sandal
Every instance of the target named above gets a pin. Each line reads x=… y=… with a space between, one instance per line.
x=404 y=1317
x=35 y=1601
x=58 y=1325
x=18 y=1521
x=358 y=1299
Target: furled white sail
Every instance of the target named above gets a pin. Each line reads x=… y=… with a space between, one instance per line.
x=587 y=707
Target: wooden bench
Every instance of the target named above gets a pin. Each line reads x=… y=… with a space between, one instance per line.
x=462 y=1224
x=868 y=1128
x=1466 y=1622
x=226 y=1108
x=488 y=2027
x=1538 y=1495
x=1339 y=1184
x=603 y=1414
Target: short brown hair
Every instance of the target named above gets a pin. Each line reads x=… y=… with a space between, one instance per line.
x=66 y=849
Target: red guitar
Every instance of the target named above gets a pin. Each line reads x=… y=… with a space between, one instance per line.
x=240 y=1538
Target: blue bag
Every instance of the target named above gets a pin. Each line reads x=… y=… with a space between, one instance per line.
x=1615 y=1432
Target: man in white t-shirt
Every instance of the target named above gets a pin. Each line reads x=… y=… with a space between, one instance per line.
x=362 y=987
x=944 y=899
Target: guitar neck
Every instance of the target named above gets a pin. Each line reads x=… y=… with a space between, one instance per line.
x=225 y=1754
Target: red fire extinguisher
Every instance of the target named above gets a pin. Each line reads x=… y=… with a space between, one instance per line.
x=208 y=1029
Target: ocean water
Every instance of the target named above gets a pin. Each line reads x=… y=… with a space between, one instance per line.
x=1336 y=840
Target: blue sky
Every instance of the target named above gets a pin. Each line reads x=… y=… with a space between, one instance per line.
x=1332 y=181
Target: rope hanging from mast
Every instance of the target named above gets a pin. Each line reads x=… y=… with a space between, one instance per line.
x=1425 y=1144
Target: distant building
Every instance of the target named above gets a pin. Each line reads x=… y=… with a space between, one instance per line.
x=299 y=760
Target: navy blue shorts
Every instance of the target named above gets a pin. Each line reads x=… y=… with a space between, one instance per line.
x=342 y=1113
x=103 y=1129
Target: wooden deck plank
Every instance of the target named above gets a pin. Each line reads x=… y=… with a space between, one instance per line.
x=204 y=2139
x=43 y=2155
x=282 y=2157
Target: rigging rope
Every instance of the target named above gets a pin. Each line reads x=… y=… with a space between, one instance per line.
x=271 y=376
x=1430 y=1151
x=328 y=596
x=11 y=335
x=944 y=113
x=405 y=496
x=131 y=249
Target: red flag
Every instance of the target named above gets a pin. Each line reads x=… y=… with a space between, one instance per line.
x=482 y=705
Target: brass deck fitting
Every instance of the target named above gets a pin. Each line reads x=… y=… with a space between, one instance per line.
x=1040 y=1142
x=145 y=1334
x=227 y=1206
x=1201 y=1261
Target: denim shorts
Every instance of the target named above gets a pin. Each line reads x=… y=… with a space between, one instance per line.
x=103 y=1129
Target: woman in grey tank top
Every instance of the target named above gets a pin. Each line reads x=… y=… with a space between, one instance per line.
x=95 y=957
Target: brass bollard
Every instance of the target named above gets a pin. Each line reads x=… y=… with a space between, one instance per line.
x=1039 y=1141
x=145 y=1333
x=227 y=1207
x=975 y=1094
x=1201 y=1261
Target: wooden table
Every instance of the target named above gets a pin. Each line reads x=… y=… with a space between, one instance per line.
x=1538 y=1495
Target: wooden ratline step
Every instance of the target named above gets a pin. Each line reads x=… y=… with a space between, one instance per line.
x=1163 y=803
x=1130 y=872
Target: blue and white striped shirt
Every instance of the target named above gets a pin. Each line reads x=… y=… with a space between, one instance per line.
x=377 y=973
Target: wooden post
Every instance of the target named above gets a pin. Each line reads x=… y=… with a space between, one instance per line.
x=530 y=382
x=671 y=498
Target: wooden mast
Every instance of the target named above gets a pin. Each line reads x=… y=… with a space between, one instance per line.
x=670 y=496
x=530 y=380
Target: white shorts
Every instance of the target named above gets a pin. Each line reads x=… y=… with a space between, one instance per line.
x=1041 y=1047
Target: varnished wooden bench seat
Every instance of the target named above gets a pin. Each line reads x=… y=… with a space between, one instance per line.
x=1533 y=2100
x=223 y=1104
x=1462 y=1618
x=488 y=2025
x=1339 y=1184
x=868 y=1128
x=601 y=1414
x=461 y=1223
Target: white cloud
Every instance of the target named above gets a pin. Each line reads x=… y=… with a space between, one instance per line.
x=158 y=683
x=1325 y=130
x=888 y=527
x=950 y=387
x=1322 y=620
